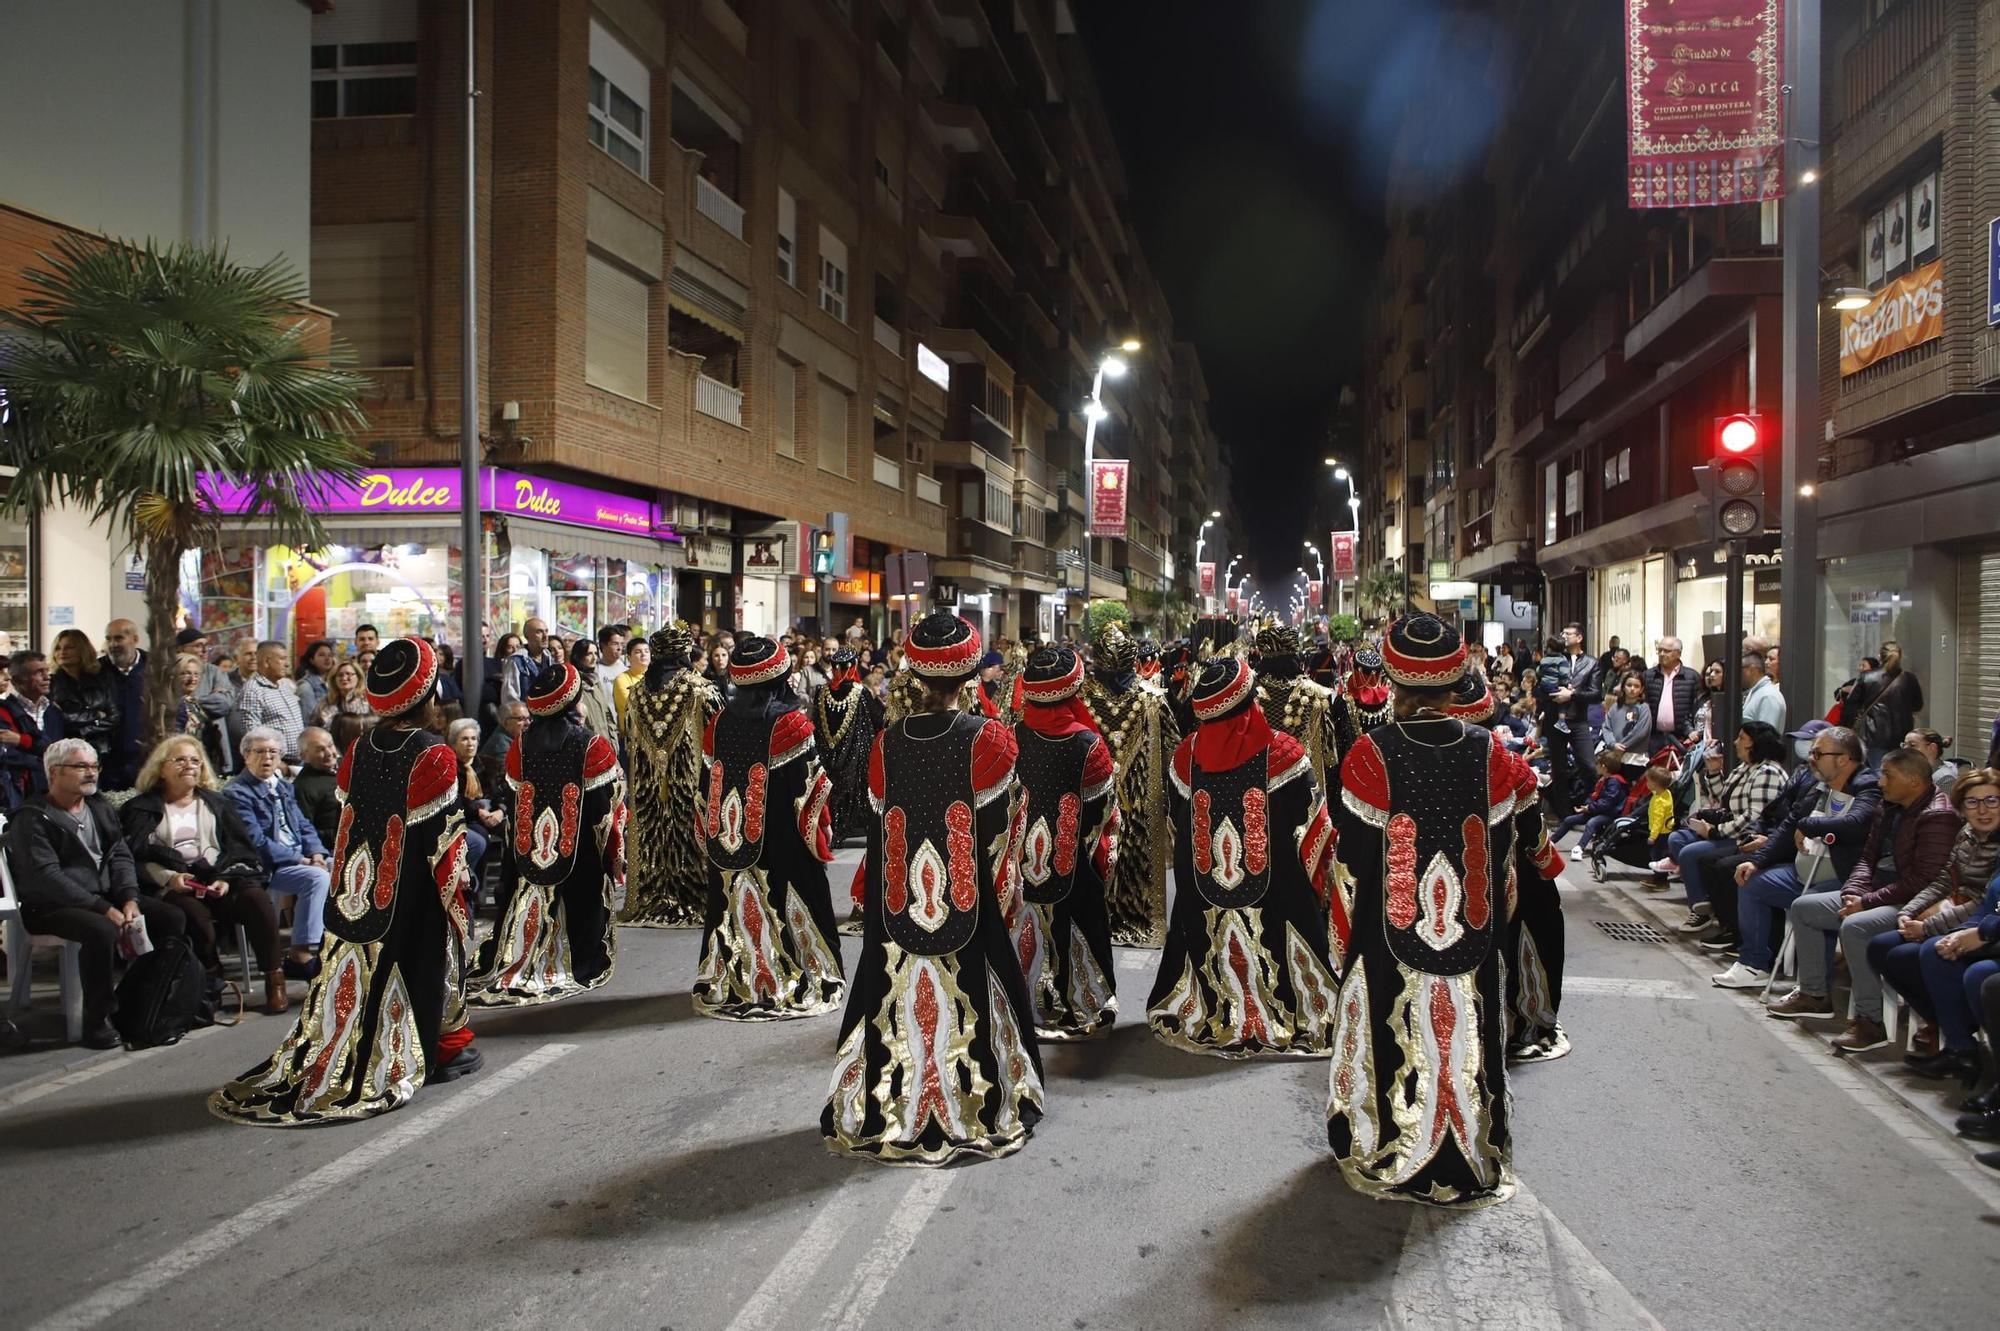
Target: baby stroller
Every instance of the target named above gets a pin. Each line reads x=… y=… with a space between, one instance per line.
x=1627 y=839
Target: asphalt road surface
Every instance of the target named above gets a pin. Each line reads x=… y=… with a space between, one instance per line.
x=621 y=1162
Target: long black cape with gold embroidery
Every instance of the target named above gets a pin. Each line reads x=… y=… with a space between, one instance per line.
x=667 y=873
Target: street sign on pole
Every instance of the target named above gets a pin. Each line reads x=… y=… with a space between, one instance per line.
x=1993 y=273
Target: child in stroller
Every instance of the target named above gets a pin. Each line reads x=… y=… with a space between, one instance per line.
x=1638 y=835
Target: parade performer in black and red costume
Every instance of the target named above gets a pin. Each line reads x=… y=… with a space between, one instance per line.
x=846 y=720
x=387 y=1011
x=1363 y=701
x=665 y=718
x=1294 y=704
x=1431 y=813
x=564 y=869
x=937 y=1059
x=1062 y=807
x=769 y=950
x=1138 y=723
x=1246 y=969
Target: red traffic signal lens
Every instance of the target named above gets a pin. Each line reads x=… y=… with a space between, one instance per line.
x=1738 y=434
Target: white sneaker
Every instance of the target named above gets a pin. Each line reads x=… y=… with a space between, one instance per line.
x=1661 y=866
x=1740 y=976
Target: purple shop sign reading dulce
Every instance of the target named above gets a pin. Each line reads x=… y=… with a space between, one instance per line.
x=417 y=491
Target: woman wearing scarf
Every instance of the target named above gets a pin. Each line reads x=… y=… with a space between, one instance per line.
x=937 y=1059
x=1246 y=970
x=665 y=716
x=768 y=948
x=564 y=869
x=1062 y=799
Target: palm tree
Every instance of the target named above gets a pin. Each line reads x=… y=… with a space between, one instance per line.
x=131 y=372
x=1379 y=590
x=1166 y=613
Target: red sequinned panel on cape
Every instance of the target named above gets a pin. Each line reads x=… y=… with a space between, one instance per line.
x=738 y=782
x=550 y=766
x=1232 y=854
x=368 y=850
x=930 y=872
x=1440 y=848
x=1050 y=772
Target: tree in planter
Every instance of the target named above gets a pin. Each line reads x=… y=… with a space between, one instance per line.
x=129 y=372
x=1342 y=628
x=1165 y=613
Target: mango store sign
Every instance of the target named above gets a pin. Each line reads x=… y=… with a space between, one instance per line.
x=421 y=491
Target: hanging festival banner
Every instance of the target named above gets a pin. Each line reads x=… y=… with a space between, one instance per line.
x=1703 y=89
x=1907 y=313
x=1107 y=498
x=1343 y=556
x=1313 y=590
x=1206 y=574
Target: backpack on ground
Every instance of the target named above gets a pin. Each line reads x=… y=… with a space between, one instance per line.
x=160 y=995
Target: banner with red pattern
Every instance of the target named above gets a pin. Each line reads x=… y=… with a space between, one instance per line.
x=1207 y=578
x=1705 y=102
x=1343 y=556
x=1107 y=497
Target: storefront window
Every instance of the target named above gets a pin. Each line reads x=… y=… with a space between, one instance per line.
x=15 y=630
x=297 y=596
x=1867 y=603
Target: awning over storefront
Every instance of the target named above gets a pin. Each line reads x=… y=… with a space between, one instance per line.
x=559 y=538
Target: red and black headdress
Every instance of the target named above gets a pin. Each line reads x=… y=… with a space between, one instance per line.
x=554 y=690
x=1424 y=652
x=403 y=676
x=1224 y=686
x=1053 y=674
x=942 y=646
x=758 y=661
x=1472 y=700
x=1367 y=660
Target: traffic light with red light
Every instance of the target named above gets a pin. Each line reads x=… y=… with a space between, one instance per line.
x=1733 y=480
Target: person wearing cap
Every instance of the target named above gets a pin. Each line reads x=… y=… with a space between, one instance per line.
x=1139 y=725
x=846 y=719
x=992 y=696
x=563 y=870
x=937 y=1060
x=1363 y=702
x=1297 y=706
x=1431 y=816
x=1247 y=969
x=1060 y=855
x=666 y=874
x=386 y=1013
x=768 y=949
x=1536 y=939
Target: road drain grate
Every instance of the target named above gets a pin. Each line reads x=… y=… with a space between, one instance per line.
x=1626 y=932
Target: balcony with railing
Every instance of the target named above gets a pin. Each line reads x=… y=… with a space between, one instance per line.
x=1696 y=271
x=1892 y=46
x=714 y=398
x=1590 y=360
x=717 y=207
x=888 y=338
x=888 y=472
x=929 y=488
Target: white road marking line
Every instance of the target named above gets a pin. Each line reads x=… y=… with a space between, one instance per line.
x=871 y=1277
x=1860 y=1086
x=799 y=1266
x=115 y=1298
x=110 y=1061
x=1612 y=987
x=1135 y=960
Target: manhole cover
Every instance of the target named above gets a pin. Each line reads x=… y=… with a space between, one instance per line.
x=1626 y=932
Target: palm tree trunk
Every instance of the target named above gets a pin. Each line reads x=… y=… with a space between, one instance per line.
x=163 y=594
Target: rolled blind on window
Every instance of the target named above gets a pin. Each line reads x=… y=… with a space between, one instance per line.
x=366 y=273
x=832 y=428
x=1978 y=649
x=784 y=400
x=615 y=344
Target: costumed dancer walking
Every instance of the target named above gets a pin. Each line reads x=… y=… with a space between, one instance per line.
x=667 y=873
x=937 y=1058
x=564 y=867
x=1417 y=1107
x=1062 y=805
x=1296 y=705
x=1363 y=701
x=386 y=1013
x=1246 y=970
x=1139 y=726
x=769 y=949
x=846 y=720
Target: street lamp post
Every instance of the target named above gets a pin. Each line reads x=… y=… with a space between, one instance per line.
x=1201 y=539
x=1093 y=412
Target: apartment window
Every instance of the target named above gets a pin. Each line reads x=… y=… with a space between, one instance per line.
x=833 y=417
x=784 y=399
x=366 y=274
x=1899 y=230
x=999 y=505
x=788 y=237
x=999 y=404
x=374 y=78
x=615 y=333
x=833 y=274
x=621 y=88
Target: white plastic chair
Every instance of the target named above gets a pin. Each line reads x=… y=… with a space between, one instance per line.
x=20 y=953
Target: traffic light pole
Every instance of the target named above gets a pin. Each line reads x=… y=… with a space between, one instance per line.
x=1732 y=633
x=1798 y=519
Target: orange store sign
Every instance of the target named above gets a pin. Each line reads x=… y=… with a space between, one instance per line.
x=1906 y=313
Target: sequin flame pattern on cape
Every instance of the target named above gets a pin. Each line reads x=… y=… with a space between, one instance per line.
x=1139 y=726
x=1060 y=933
x=667 y=878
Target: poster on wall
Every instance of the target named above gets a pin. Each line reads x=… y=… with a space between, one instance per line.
x=1871 y=249
x=1923 y=217
x=1896 y=220
x=1704 y=101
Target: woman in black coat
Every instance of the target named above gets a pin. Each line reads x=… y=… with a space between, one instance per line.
x=86 y=695
x=1882 y=708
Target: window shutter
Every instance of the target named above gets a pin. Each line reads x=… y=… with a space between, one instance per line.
x=833 y=415
x=365 y=273
x=784 y=399
x=615 y=341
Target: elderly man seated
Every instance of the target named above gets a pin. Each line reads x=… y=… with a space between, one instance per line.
x=292 y=852
x=75 y=878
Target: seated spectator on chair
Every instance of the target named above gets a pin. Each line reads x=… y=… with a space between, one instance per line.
x=269 y=699
x=491 y=764
x=1814 y=849
x=1607 y=799
x=1726 y=812
x=484 y=816
x=195 y=854
x=1628 y=721
x=1941 y=908
x=1945 y=986
x=75 y=879
x=30 y=723
x=1981 y=1119
x=1919 y=821
x=319 y=772
x=1716 y=874
x=293 y=855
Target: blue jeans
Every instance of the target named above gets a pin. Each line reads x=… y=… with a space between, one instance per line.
x=1688 y=850
x=1772 y=890
x=1954 y=990
x=307 y=884
x=1896 y=960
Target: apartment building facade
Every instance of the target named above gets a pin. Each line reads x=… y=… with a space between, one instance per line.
x=1580 y=352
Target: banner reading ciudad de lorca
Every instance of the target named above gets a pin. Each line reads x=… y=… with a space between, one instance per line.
x=1703 y=89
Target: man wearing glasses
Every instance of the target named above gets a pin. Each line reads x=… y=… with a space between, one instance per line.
x=293 y=854
x=1813 y=850
x=76 y=880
